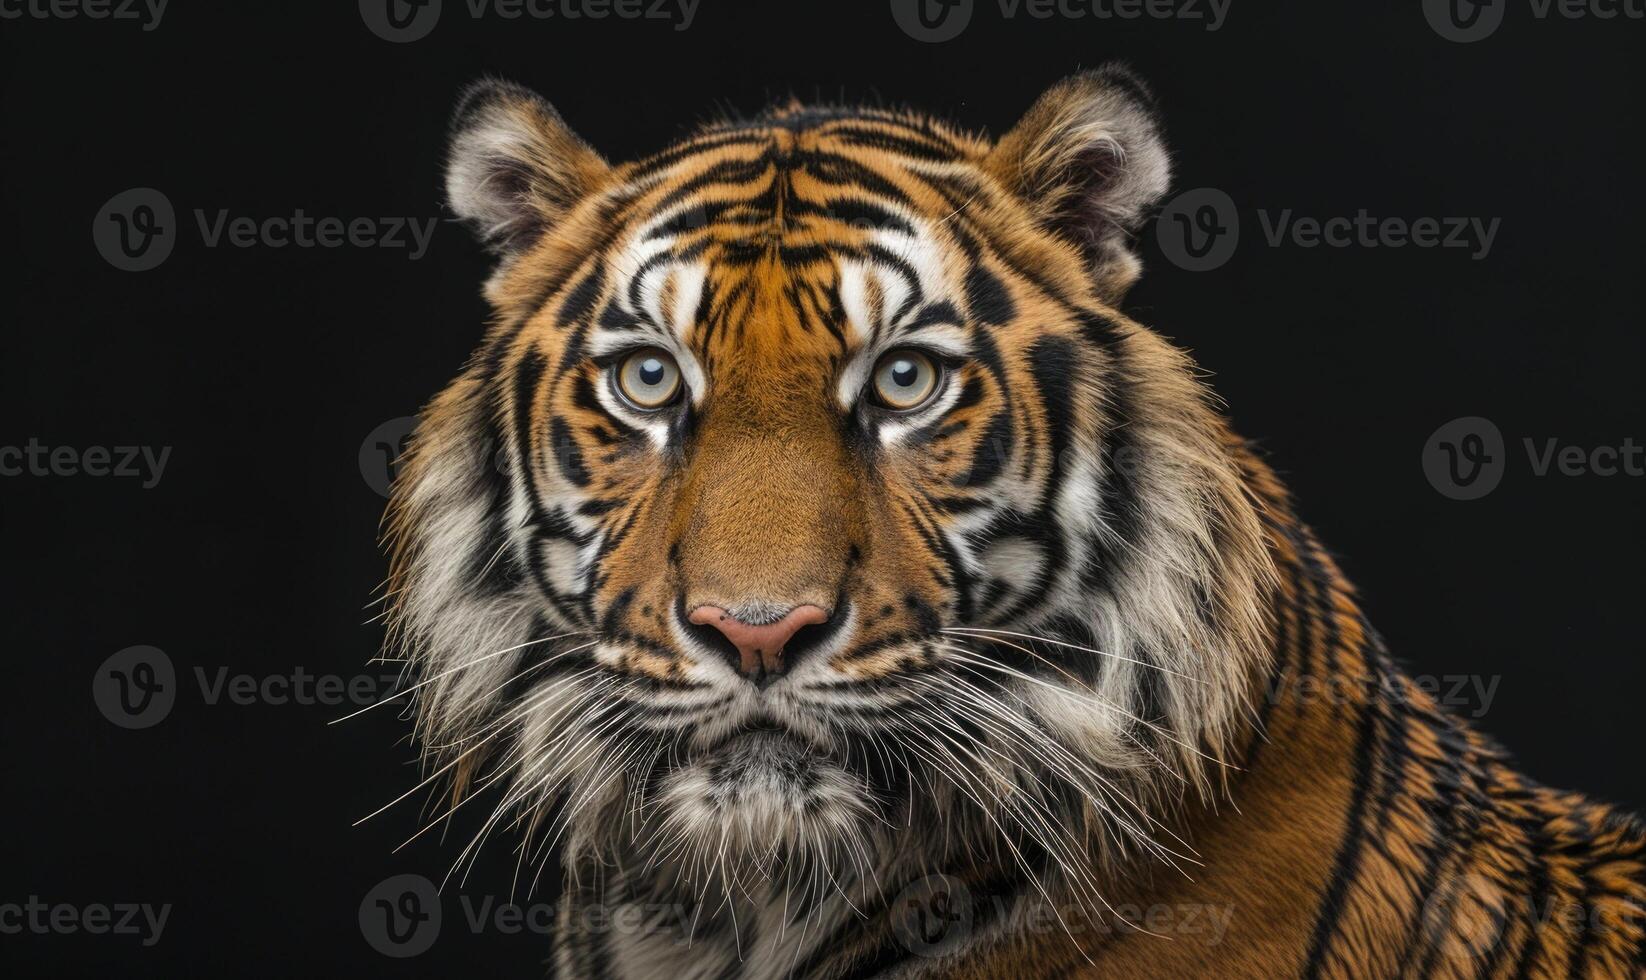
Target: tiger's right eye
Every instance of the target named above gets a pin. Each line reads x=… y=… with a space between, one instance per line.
x=648 y=379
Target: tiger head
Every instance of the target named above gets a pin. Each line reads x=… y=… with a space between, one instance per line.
x=808 y=488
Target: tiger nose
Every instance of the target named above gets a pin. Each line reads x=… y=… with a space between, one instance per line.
x=759 y=645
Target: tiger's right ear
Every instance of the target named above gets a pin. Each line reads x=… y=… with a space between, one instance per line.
x=514 y=167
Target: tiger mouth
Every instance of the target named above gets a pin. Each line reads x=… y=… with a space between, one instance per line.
x=775 y=738
x=761 y=762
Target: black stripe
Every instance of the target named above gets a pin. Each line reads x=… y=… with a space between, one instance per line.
x=855 y=211
x=940 y=313
x=987 y=298
x=527 y=379
x=918 y=148
x=1349 y=848
x=568 y=456
x=1120 y=496
x=830 y=168
x=722 y=172
x=990 y=454
x=652 y=165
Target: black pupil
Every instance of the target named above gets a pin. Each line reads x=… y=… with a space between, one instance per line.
x=651 y=372
x=905 y=374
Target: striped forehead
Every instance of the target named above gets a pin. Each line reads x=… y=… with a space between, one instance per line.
x=659 y=290
x=872 y=283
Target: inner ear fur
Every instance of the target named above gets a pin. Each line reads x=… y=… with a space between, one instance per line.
x=514 y=167
x=1090 y=162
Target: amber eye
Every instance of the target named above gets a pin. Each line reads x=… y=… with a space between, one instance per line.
x=648 y=379
x=905 y=380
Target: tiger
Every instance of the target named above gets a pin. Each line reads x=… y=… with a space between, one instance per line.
x=817 y=571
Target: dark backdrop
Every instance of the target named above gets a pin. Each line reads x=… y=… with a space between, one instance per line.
x=268 y=370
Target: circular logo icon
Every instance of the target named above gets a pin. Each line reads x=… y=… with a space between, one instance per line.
x=933 y=915
x=1464 y=21
x=1464 y=458
x=401 y=916
x=383 y=450
x=1199 y=229
x=135 y=688
x=135 y=230
x=932 y=21
x=400 y=21
x=1465 y=916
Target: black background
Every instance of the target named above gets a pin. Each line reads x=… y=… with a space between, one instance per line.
x=265 y=370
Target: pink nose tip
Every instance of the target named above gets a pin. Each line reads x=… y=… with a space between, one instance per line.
x=759 y=647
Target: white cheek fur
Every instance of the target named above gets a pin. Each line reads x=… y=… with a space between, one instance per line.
x=654 y=424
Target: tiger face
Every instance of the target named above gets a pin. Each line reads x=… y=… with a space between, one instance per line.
x=808 y=487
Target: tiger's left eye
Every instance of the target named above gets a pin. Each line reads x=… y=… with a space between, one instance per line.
x=648 y=379
x=905 y=380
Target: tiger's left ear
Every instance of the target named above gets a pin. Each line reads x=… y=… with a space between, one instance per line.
x=1089 y=161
